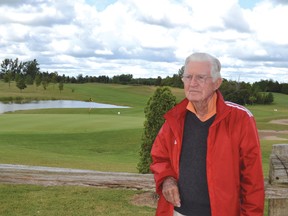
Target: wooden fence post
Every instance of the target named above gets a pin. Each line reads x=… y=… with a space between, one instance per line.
x=278 y=181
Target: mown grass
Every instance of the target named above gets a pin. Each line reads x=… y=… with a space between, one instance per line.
x=115 y=150
x=32 y=200
x=26 y=135
x=266 y=113
x=97 y=139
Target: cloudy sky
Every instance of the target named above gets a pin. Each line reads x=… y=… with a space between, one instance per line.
x=147 y=38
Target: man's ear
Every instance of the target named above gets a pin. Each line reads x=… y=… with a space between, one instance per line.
x=218 y=83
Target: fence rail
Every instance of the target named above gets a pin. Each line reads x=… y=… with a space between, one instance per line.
x=276 y=190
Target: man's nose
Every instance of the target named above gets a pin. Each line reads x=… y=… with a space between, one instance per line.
x=193 y=80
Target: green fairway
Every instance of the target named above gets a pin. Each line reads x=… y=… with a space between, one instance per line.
x=115 y=150
x=98 y=139
x=68 y=123
x=88 y=141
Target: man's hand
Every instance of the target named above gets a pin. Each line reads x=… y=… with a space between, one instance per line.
x=170 y=191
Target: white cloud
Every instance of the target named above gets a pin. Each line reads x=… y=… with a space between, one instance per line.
x=146 y=38
x=268 y=22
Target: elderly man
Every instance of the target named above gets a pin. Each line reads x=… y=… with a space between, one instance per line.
x=206 y=157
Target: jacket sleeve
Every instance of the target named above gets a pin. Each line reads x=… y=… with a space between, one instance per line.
x=161 y=165
x=252 y=181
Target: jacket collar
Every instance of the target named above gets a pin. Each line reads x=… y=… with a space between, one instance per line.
x=222 y=110
x=176 y=115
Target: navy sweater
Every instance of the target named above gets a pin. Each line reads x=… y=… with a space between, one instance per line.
x=192 y=182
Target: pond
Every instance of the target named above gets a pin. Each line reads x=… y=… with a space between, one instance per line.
x=12 y=107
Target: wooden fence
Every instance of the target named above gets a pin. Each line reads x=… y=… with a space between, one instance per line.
x=277 y=187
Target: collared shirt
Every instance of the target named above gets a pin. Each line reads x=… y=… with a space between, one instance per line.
x=211 y=109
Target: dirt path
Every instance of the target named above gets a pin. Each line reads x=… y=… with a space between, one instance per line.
x=281 y=121
x=272 y=134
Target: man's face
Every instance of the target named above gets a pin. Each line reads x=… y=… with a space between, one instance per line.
x=198 y=83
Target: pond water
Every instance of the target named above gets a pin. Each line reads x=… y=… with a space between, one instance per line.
x=11 y=107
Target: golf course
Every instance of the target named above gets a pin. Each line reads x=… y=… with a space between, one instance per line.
x=101 y=139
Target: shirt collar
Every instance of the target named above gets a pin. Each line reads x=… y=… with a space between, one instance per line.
x=211 y=108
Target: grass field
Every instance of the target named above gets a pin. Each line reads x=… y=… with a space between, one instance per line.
x=98 y=139
x=68 y=201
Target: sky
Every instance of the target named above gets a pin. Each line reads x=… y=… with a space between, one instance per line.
x=148 y=38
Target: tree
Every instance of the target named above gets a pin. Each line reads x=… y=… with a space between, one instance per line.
x=161 y=101
x=6 y=70
x=38 y=80
x=6 y=66
x=21 y=84
x=178 y=78
x=168 y=81
x=80 y=78
x=284 y=88
x=252 y=99
x=125 y=78
x=45 y=82
x=269 y=98
x=264 y=98
x=31 y=69
x=122 y=79
x=29 y=80
x=158 y=81
x=61 y=86
x=53 y=78
x=8 y=77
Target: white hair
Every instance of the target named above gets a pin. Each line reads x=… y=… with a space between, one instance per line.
x=205 y=57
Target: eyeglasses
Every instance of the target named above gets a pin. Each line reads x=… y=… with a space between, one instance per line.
x=198 y=78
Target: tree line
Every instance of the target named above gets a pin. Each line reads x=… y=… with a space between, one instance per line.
x=29 y=73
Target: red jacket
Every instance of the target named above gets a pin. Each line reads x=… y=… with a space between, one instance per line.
x=234 y=166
